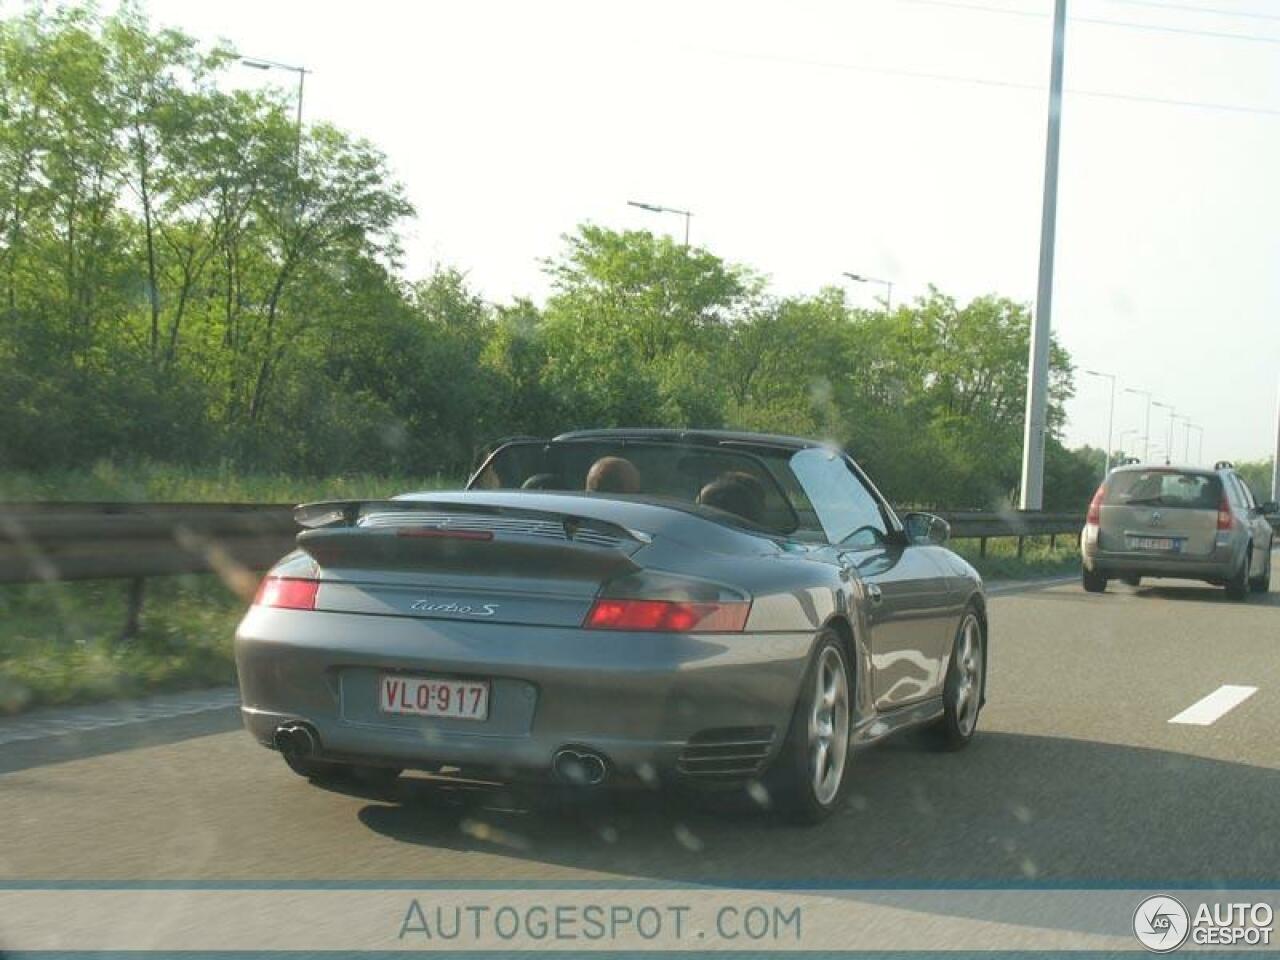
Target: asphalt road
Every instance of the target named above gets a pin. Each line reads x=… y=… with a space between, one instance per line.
x=1077 y=775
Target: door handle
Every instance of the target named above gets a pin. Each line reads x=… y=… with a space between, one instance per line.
x=874 y=593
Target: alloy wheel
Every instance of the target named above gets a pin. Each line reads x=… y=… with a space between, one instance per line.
x=968 y=676
x=829 y=726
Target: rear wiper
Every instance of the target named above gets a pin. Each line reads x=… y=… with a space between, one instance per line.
x=1129 y=503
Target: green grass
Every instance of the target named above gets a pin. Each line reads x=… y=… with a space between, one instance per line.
x=61 y=643
x=1038 y=560
x=157 y=482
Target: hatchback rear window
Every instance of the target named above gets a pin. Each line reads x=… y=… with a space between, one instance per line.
x=1164 y=488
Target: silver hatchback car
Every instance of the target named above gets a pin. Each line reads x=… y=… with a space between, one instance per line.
x=1185 y=522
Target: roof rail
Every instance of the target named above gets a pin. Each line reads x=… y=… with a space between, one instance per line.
x=1224 y=465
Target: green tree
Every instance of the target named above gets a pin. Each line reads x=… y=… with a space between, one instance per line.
x=633 y=326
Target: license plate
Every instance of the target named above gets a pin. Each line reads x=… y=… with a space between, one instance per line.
x=1167 y=544
x=434 y=697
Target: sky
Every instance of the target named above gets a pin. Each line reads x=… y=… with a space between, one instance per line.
x=900 y=139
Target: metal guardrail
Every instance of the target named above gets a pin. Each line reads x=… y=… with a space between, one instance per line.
x=89 y=541
x=129 y=541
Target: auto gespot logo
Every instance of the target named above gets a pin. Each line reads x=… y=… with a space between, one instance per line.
x=1162 y=924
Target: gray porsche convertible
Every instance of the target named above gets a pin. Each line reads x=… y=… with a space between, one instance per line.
x=619 y=606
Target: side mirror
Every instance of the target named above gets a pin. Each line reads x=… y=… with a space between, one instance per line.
x=1270 y=508
x=926 y=528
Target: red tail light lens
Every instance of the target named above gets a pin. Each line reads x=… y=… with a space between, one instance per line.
x=667 y=616
x=287 y=592
x=1225 y=520
x=1094 y=516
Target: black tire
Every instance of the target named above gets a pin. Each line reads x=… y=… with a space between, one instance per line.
x=1262 y=582
x=1093 y=581
x=1132 y=579
x=1238 y=585
x=792 y=779
x=964 y=688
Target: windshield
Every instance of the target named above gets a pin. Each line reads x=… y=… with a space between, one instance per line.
x=744 y=486
x=1166 y=488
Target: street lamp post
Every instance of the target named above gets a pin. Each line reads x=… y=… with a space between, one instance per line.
x=259 y=64
x=1186 y=436
x=1124 y=441
x=1173 y=413
x=655 y=208
x=1146 y=429
x=1036 y=420
x=1111 y=416
x=1199 y=440
x=888 y=297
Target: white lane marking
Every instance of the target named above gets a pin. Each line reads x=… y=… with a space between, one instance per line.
x=1215 y=705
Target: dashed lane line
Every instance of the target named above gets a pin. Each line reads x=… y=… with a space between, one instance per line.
x=1216 y=705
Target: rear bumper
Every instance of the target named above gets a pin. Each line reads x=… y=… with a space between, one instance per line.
x=636 y=698
x=1220 y=564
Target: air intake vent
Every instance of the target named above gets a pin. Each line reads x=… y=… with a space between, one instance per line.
x=726 y=752
x=520 y=526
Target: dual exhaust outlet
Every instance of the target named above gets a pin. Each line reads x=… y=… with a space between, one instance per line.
x=578 y=766
x=298 y=740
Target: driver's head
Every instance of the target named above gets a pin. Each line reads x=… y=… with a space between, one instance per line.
x=735 y=492
x=613 y=475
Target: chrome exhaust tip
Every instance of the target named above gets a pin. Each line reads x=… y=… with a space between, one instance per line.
x=295 y=740
x=579 y=766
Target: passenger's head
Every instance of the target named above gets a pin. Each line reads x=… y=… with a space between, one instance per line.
x=613 y=475
x=735 y=492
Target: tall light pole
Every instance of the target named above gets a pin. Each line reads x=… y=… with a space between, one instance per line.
x=259 y=64
x=1199 y=441
x=1146 y=429
x=655 y=208
x=1124 y=442
x=1186 y=436
x=1036 y=419
x=888 y=298
x=1111 y=416
x=1168 y=447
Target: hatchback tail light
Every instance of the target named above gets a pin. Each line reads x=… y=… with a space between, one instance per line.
x=1225 y=520
x=667 y=616
x=1094 y=516
x=289 y=593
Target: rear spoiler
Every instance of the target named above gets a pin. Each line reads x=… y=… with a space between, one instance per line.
x=349 y=513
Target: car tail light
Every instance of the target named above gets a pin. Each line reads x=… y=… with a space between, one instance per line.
x=668 y=616
x=1094 y=516
x=288 y=592
x=1225 y=520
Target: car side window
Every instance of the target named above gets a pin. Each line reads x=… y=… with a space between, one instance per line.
x=1246 y=495
x=1233 y=490
x=849 y=514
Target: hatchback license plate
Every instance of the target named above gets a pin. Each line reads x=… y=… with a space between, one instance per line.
x=1167 y=544
x=434 y=697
